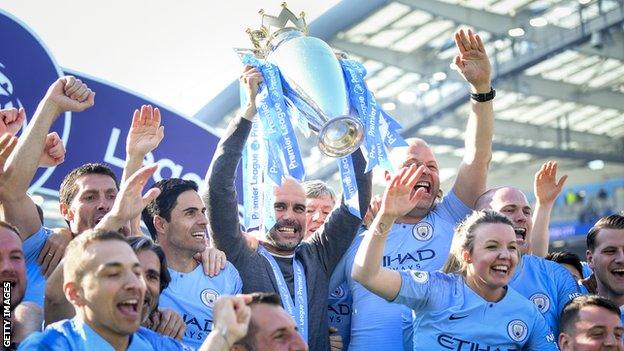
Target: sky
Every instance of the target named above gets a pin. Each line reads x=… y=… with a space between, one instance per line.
x=179 y=53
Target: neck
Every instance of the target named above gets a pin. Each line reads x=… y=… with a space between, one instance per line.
x=603 y=291
x=487 y=293
x=277 y=251
x=117 y=341
x=179 y=260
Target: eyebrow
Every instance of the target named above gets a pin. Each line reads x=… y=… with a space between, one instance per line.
x=117 y=265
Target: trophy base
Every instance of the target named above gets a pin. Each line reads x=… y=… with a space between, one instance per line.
x=341 y=136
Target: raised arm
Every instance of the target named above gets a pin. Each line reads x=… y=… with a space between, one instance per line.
x=546 y=188
x=474 y=65
x=398 y=199
x=66 y=94
x=144 y=136
x=220 y=195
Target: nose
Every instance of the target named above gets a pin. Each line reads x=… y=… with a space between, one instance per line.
x=504 y=253
x=105 y=204
x=611 y=340
x=298 y=344
x=134 y=282
x=6 y=265
x=619 y=256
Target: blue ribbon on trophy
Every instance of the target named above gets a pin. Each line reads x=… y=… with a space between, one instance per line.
x=305 y=81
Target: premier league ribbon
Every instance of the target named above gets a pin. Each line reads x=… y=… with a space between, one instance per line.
x=381 y=130
x=298 y=309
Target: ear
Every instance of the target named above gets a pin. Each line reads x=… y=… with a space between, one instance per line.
x=590 y=259
x=466 y=256
x=160 y=224
x=387 y=176
x=66 y=212
x=73 y=294
x=564 y=342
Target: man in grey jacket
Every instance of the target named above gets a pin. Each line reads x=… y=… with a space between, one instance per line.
x=283 y=263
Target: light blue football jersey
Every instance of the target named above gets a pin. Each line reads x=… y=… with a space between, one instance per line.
x=75 y=335
x=451 y=316
x=377 y=324
x=193 y=295
x=547 y=284
x=35 y=288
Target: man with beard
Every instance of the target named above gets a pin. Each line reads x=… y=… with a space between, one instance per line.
x=283 y=263
x=605 y=255
x=177 y=221
x=547 y=284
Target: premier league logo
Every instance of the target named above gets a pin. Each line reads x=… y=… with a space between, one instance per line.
x=517 y=330
x=541 y=301
x=209 y=296
x=422 y=231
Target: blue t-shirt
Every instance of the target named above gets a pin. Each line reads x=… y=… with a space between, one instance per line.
x=35 y=289
x=73 y=334
x=547 y=284
x=451 y=316
x=193 y=295
x=377 y=324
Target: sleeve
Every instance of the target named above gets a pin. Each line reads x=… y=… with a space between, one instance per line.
x=341 y=226
x=220 y=195
x=422 y=291
x=567 y=288
x=34 y=244
x=51 y=340
x=238 y=282
x=540 y=337
x=452 y=207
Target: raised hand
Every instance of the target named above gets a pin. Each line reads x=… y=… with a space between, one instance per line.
x=232 y=314
x=250 y=79
x=400 y=197
x=145 y=132
x=129 y=202
x=53 y=152
x=70 y=94
x=473 y=62
x=11 y=120
x=546 y=186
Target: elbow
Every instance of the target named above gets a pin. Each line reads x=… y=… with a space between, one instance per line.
x=357 y=273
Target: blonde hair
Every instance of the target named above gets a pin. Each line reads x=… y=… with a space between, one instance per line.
x=464 y=239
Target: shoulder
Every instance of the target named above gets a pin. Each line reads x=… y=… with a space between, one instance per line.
x=37 y=240
x=160 y=342
x=53 y=338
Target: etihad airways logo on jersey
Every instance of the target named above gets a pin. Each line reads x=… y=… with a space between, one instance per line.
x=196 y=328
x=449 y=342
x=408 y=260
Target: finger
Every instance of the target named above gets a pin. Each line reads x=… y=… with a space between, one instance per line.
x=69 y=84
x=156 y=116
x=140 y=177
x=91 y=99
x=43 y=253
x=9 y=115
x=416 y=176
x=211 y=264
x=6 y=147
x=464 y=39
x=473 y=41
x=143 y=115
x=223 y=261
x=136 y=117
x=150 y=196
x=45 y=266
x=84 y=96
x=161 y=133
x=417 y=195
x=58 y=256
x=162 y=325
x=458 y=42
x=480 y=45
x=77 y=84
x=561 y=182
x=150 y=115
x=181 y=330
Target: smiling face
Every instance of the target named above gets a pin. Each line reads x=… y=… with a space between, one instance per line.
x=317 y=210
x=276 y=329
x=512 y=203
x=290 y=217
x=493 y=259
x=12 y=264
x=186 y=231
x=151 y=274
x=109 y=297
x=419 y=153
x=596 y=329
x=607 y=262
x=94 y=198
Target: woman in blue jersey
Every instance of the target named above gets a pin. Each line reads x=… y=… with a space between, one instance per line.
x=468 y=306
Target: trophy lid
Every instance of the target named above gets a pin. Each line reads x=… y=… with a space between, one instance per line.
x=273 y=27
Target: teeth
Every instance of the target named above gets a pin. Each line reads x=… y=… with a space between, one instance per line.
x=618 y=270
x=130 y=302
x=500 y=268
x=198 y=234
x=287 y=229
x=423 y=183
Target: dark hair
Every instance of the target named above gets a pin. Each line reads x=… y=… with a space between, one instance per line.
x=68 y=188
x=570 y=313
x=143 y=243
x=257 y=298
x=566 y=257
x=162 y=206
x=610 y=222
x=10 y=227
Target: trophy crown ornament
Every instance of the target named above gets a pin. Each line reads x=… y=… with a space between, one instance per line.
x=264 y=39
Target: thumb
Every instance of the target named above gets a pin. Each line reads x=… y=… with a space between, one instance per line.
x=150 y=196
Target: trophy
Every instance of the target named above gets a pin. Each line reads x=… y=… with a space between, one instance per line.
x=313 y=80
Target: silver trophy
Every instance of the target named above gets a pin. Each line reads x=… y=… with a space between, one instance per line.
x=314 y=78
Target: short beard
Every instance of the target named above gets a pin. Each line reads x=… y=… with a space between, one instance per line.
x=273 y=235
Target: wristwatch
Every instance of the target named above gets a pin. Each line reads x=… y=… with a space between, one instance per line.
x=484 y=97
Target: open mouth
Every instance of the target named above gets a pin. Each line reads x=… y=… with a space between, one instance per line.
x=520 y=233
x=423 y=184
x=129 y=307
x=501 y=269
x=287 y=231
x=199 y=235
x=618 y=272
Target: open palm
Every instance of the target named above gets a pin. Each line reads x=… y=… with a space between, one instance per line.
x=473 y=62
x=146 y=132
x=399 y=197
